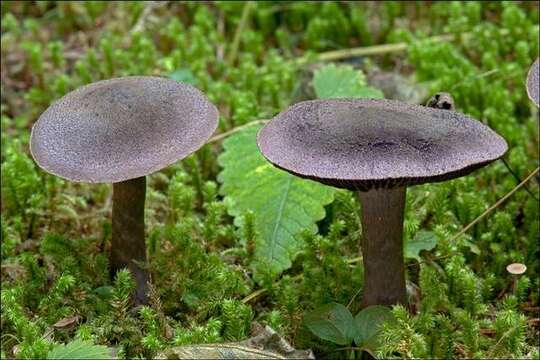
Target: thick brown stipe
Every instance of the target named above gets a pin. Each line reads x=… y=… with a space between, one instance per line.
x=382 y=233
x=128 y=245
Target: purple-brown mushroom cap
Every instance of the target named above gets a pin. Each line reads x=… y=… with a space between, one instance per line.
x=122 y=128
x=360 y=144
x=533 y=82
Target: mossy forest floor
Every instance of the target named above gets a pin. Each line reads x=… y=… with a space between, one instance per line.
x=215 y=219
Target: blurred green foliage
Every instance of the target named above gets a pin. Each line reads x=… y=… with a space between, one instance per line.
x=54 y=233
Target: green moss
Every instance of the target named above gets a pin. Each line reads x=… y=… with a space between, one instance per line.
x=55 y=233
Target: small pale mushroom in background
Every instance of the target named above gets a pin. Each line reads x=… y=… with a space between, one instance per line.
x=118 y=131
x=516 y=269
x=533 y=82
x=378 y=148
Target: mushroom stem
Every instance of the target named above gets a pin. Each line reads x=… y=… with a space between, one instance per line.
x=128 y=246
x=382 y=246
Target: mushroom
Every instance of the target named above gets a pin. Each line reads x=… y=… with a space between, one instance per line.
x=118 y=131
x=515 y=270
x=533 y=80
x=378 y=148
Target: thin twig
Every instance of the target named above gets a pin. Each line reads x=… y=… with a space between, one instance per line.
x=381 y=49
x=354 y=297
x=481 y=216
x=220 y=48
x=494 y=206
x=349 y=348
x=259 y=292
x=505 y=335
x=253 y=295
x=221 y=136
x=148 y=8
x=479 y=76
x=371 y=50
x=239 y=31
x=518 y=179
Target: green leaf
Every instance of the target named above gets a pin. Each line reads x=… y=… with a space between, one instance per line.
x=342 y=82
x=184 y=76
x=472 y=246
x=332 y=322
x=104 y=292
x=282 y=204
x=424 y=240
x=368 y=322
x=79 y=349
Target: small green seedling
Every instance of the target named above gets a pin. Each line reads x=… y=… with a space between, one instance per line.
x=335 y=323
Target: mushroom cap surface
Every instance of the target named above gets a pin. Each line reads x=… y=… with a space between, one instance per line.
x=360 y=144
x=122 y=128
x=533 y=82
x=516 y=268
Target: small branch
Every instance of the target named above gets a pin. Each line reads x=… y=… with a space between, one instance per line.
x=484 y=214
x=349 y=348
x=516 y=176
x=221 y=136
x=380 y=49
x=259 y=292
x=253 y=295
x=220 y=48
x=505 y=335
x=149 y=6
x=494 y=206
x=478 y=76
x=239 y=30
x=354 y=297
x=371 y=50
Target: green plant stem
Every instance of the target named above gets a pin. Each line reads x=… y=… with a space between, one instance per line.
x=248 y=5
x=494 y=206
x=370 y=50
x=516 y=176
x=235 y=130
x=505 y=335
x=380 y=49
x=259 y=292
x=354 y=297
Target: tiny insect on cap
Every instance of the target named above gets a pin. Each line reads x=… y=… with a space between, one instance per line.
x=533 y=82
x=122 y=128
x=360 y=144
